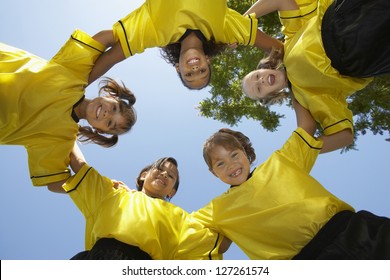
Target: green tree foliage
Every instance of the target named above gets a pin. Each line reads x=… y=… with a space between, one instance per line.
x=370 y=106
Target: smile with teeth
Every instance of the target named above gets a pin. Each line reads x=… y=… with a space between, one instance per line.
x=236 y=173
x=99 y=109
x=271 y=79
x=193 y=60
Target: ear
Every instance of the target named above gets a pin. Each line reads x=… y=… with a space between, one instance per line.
x=172 y=193
x=143 y=175
x=177 y=68
x=208 y=59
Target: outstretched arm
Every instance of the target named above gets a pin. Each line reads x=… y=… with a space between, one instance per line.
x=337 y=140
x=108 y=59
x=266 y=42
x=225 y=245
x=264 y=7
x=304 y=119
x=77 y=160
x=331 y=142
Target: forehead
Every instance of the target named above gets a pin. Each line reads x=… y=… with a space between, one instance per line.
x=197 y=81
x=219 y=152
x=169 y=166
x=109 y=99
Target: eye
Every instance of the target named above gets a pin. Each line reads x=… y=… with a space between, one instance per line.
x=202 y=70
x=188 y=74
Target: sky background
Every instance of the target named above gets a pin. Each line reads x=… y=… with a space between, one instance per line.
x=36 y=224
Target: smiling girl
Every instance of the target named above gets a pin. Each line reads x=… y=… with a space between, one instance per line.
x=189 y=32
x=41 y=103
x=129 y=224
x=332 y=49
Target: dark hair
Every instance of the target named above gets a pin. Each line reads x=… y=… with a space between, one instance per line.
x=171 y=54
x=229 y=139
x=126 y=99
x=158 y=164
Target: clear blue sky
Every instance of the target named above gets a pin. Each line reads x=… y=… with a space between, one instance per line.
x=38 y=224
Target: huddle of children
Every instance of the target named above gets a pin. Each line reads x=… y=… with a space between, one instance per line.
x=274 y=211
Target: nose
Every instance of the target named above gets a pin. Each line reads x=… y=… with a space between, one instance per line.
x=164 y=174
x=195 y=67
x=107 y=113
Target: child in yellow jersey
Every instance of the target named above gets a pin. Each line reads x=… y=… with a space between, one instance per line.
x=278 y=211
x=190 y=32
x=41 y=103
x=331 y=50
x=125 y=224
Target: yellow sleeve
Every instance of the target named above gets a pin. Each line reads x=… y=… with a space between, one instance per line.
x=197 y=241
x=79 y=54
x=48 y=162
x=88 y=189
x=302 y=149
x=293 y=20
x=331 y=112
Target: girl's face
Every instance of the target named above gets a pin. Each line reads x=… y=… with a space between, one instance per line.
x=104 y=114
x=193 y=67
x=160 y=183
x=230 y=166
x=263 y=82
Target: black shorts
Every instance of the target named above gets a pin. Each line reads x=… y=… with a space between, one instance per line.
x=112 y=249
x=350 y=236
x=356 y=37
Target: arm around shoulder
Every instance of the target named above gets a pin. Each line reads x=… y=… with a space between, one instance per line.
x=77 y=161
x=337 y=140
x=109 y=58
x=331 y=142
x=264 y=7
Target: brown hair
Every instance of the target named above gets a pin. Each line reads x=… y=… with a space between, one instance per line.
x=229 y=139
x=126 y=99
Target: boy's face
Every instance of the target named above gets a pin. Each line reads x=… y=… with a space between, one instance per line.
x=230 y=166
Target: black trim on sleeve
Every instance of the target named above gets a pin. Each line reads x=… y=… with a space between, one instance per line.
x=300 y=15
x=82 y=178
x=316 y=148
x=49 y=175
x=337 y=123
x=250 y=38
x=127 y=40
x=215 y=246
x=81 y=42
